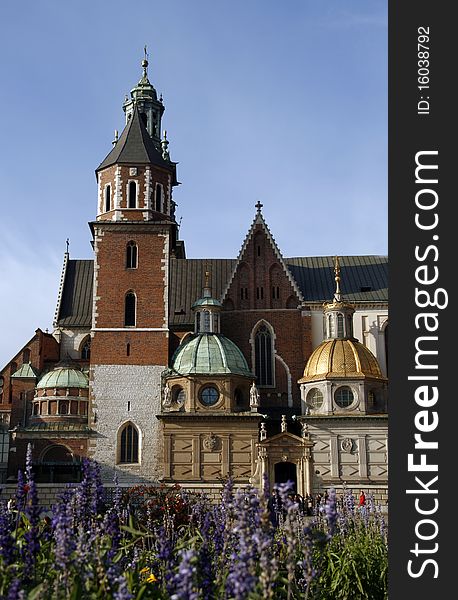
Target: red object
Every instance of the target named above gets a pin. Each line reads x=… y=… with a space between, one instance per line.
x=362 y=499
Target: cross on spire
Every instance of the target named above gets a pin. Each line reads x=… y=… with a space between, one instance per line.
x=258 y=206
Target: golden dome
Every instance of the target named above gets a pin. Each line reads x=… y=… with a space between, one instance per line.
x=341 y=358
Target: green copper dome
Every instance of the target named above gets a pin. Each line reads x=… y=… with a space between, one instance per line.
x=64 y=377
x=209 y=354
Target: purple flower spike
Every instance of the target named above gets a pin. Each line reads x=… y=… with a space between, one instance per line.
x=331 y=512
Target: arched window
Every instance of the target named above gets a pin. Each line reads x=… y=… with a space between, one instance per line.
x=108 y=198
x=129 y=444
x=25 y=356
x=130 y=310
x=331 y=327
x=86 y=349
x=132 y=195
x=340 y=326
x=158 y=197
x=263 y=356
x=131 y=255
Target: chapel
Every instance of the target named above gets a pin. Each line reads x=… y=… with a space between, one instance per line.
x=168 y=369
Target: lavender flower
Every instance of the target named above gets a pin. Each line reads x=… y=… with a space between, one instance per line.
x=6 y=540
x=331 y=512
x=32 y=512
x=122 y=593
x=15 y=592
x=63 y=536
x=183 y=581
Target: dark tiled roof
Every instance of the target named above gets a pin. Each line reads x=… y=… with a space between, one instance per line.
x=135 y=146
x=363 y=279
x=187 y=281
x=76 y=306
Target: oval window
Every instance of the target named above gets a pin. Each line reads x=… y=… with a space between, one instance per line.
x=315 y=398
x=209 y=395
x=344 y=397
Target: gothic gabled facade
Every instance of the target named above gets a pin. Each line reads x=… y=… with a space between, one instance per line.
x=164 y=368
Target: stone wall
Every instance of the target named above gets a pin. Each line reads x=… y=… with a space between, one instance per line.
x=127 y=394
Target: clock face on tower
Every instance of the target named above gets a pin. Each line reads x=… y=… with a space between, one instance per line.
x=209 y=396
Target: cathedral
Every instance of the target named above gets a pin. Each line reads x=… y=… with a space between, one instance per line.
x=189 y=371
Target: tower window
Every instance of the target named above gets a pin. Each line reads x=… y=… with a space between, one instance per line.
x=340 y=326
x=132 y=195
x=131 y=255
x=128 y=349
x=159 y=197
x=130 y=310
x=129 y=444
x=86 y=349
x=25 y=356
x=331 y=327
x=108 y=198
x=263 y=356
x=144 y=118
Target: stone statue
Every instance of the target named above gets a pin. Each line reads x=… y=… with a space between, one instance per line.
x=263 y=432
x=167 y=400
x=254 y=396
x=304 y=430
x=284 y=425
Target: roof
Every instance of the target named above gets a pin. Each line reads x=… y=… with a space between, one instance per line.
x=64 y=377
x=209 y=354
x=135 y=146
x=26 y=371
x=341 y=358
x=363 y=279
x=75 y=308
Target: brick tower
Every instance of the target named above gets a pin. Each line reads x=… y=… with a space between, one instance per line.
x=134 y=236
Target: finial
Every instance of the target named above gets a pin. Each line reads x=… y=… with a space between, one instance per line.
x=258 y=207
x=284 y=425
x=337 y=295
x=165 y=146
x=207 y=287
x=115 y=139
x=145 y=64
x=67 y=243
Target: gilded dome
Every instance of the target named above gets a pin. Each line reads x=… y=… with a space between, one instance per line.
x=341 y=358
x=64 y=377
x=209 y=354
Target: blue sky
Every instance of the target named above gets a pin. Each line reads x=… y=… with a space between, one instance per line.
x=282 y=102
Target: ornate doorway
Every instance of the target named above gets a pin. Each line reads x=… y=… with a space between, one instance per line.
x=286 y=471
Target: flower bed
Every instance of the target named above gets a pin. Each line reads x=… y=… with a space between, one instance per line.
x=151 y=542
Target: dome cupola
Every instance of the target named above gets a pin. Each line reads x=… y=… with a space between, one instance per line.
x=342 y=376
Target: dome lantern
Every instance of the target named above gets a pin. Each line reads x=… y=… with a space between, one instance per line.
x=338 y=314
x=207 y=310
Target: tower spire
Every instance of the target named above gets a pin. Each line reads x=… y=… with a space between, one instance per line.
x=145 y=63
x=337 y=294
